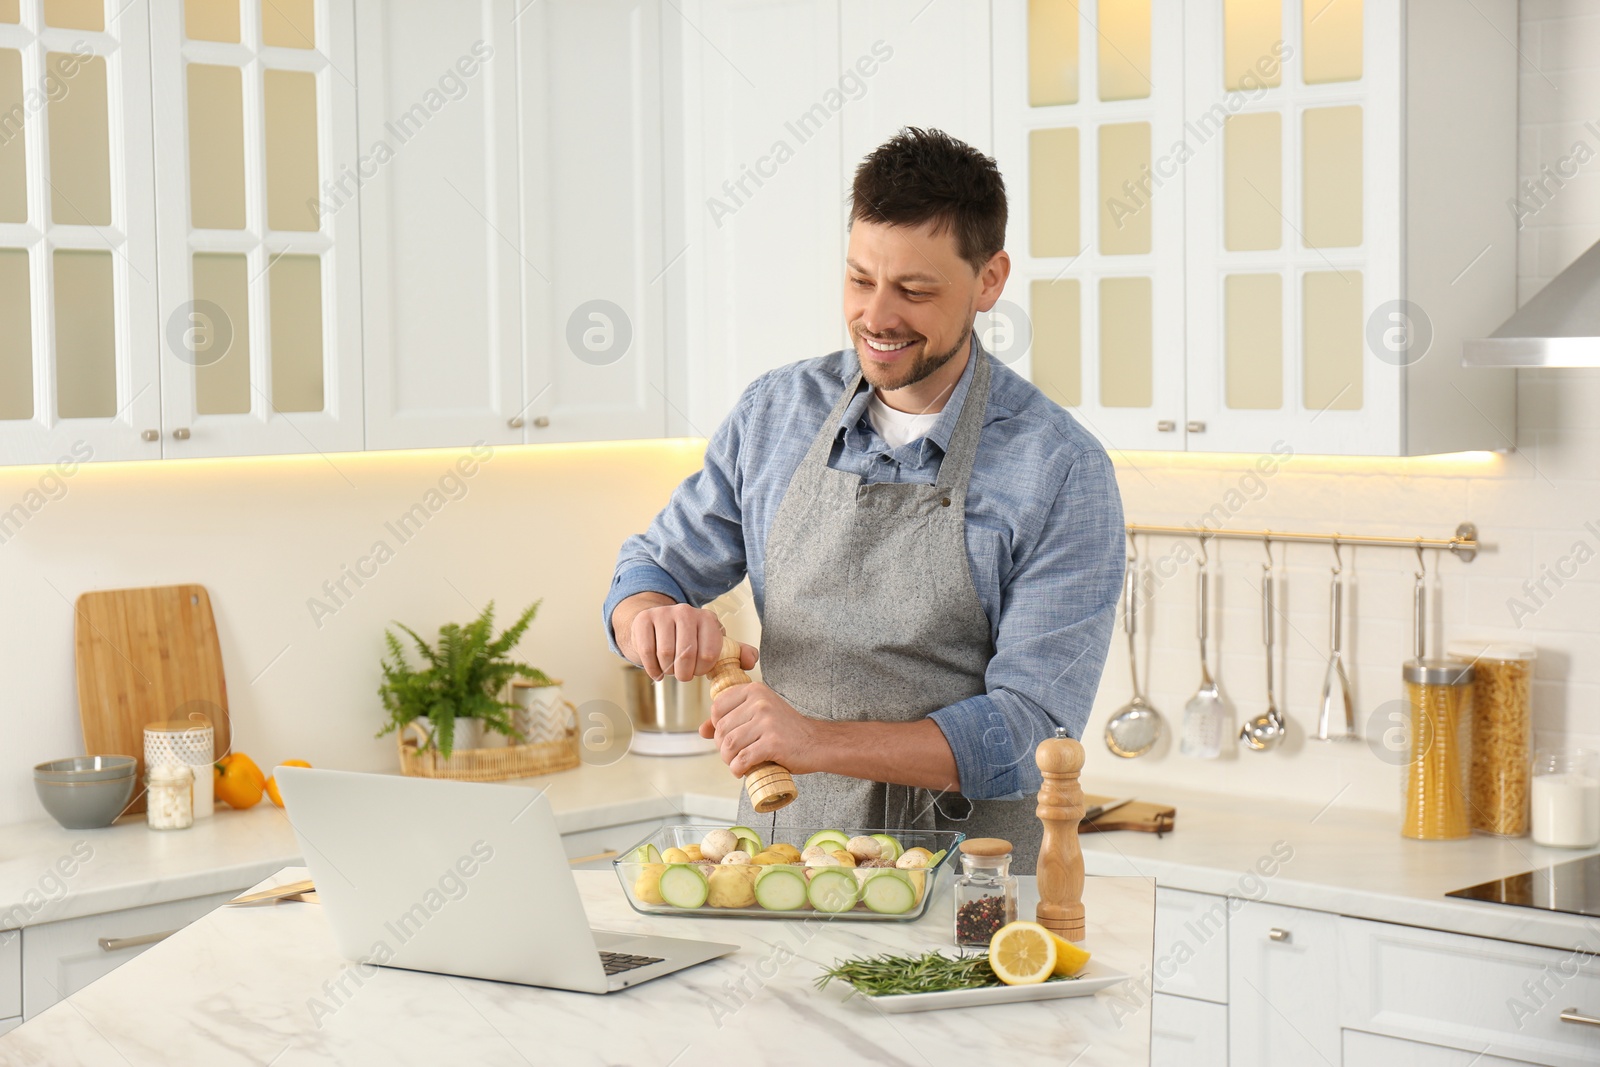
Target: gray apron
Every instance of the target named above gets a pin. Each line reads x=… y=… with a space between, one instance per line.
x=871 y=615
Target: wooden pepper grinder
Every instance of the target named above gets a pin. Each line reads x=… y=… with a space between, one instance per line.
x=1060 y=869
x=771 y=786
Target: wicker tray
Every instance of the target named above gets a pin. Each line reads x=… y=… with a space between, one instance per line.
x=485 y=764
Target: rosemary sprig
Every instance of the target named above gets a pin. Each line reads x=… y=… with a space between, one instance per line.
x=931 y=972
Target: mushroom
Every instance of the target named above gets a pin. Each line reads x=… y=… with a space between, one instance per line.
x=738 y=856
x=817 y=856
x=717 y=844
x=864 y=848
x=913 y=860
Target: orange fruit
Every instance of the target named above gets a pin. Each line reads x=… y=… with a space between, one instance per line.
x=237 y=781
x=272 y=782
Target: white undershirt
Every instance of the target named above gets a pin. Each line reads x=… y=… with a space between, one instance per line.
x=898 y=427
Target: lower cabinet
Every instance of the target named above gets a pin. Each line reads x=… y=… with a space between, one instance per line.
x=1283 y=986
x=7 y=1025
x=60 y=958
x=1362 y=1049
x=1523 y=1003
x=1187 y=1033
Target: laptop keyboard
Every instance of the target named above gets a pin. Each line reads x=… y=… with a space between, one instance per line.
x=617 y=962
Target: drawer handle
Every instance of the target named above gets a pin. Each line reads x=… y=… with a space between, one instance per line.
x=608 y=854
x=117 y=944
x=1573 y=1015
x=1278 y=933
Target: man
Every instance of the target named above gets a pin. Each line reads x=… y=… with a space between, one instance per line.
x=935 y=548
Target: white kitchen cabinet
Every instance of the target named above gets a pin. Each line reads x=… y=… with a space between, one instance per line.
x=1361 y=1049
x=78 y=295
x=591 y=241
x=757 y=179
x=1470 y=993
x=1187 y=1033
x=257 y=228
x=1191 y=945
x=9 y=1024
x=10 y=973
x=60 y=958
x=1283 y=986
x=1246 y=226
x=440 y=207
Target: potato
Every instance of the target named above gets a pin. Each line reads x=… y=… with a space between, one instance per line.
x=733 y=886
x=647 y=887
x=693 y=852
x=675 y=855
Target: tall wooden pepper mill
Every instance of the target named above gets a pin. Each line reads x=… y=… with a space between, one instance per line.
x=771 y=786
x=1060 y=869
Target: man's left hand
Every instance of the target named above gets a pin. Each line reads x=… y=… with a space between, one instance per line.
x=752 y=724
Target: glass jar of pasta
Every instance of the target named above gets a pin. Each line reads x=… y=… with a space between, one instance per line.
x=1435 y=781
x=1502 y=734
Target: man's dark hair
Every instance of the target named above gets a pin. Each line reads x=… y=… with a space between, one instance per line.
x=920 y=176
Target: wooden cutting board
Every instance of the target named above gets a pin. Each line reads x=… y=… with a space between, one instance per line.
x=147 y=655
x=1134 y=815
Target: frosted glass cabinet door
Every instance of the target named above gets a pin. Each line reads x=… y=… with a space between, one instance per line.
x=441 y=274
x=1088 y=104
x=260 y=311
x=78 y=356
x=1293 y=228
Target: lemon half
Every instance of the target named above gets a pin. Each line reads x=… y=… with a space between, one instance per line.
x=1022 y=953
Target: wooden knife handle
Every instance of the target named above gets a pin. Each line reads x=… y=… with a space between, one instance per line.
x=770 y=786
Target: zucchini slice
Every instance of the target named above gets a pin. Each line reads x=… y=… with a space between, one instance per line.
x=745 y=831
x=683 y=886
x=646 y=854
x=822 y=836
x=889 y=847
x=832 y=890
x=889 y=892
x=781 y=888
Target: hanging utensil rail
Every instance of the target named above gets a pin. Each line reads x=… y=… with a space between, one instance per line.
x=1464 y=544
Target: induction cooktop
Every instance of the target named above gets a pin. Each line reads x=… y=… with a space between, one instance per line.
x=1572 y=887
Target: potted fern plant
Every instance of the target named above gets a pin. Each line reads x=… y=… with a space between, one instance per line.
x=461 y=678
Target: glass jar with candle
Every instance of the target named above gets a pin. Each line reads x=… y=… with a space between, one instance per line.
x=1566 y=798
x=169 y=796
x=985 y=891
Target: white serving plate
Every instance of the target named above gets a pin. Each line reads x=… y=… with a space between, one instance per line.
x=1093 y=978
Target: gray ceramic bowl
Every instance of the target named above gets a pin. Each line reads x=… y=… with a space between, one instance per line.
x=85 y=769
x=85 y=805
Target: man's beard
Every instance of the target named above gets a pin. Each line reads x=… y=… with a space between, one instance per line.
x=921 y=367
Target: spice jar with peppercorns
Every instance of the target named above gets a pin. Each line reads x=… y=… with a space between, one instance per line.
x=985 y=891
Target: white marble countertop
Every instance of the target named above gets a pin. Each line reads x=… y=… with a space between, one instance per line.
x=48 y=873
x=1352 y=862
x=252 y=986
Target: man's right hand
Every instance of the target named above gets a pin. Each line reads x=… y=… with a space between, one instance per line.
x=665 y=637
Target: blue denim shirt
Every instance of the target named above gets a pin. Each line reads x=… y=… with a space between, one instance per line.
x=1045 y=541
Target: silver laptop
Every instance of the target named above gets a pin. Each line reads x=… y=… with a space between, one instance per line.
x=461 y=878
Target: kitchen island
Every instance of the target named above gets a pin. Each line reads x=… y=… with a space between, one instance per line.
x=266 y=985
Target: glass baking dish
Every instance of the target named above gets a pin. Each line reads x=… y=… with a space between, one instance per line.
x=638 y=876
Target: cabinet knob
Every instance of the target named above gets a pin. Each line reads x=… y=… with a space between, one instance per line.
x=1573 y=1015
x=541 y=422
x=150 y=435
x=1196 y=426
x=181 y=433
x=1166 y=426
x=1279 y=934
x=515 y=422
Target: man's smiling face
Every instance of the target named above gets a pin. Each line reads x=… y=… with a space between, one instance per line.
x=909 y=300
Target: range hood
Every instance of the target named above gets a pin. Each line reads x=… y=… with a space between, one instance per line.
x=1559 y=327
